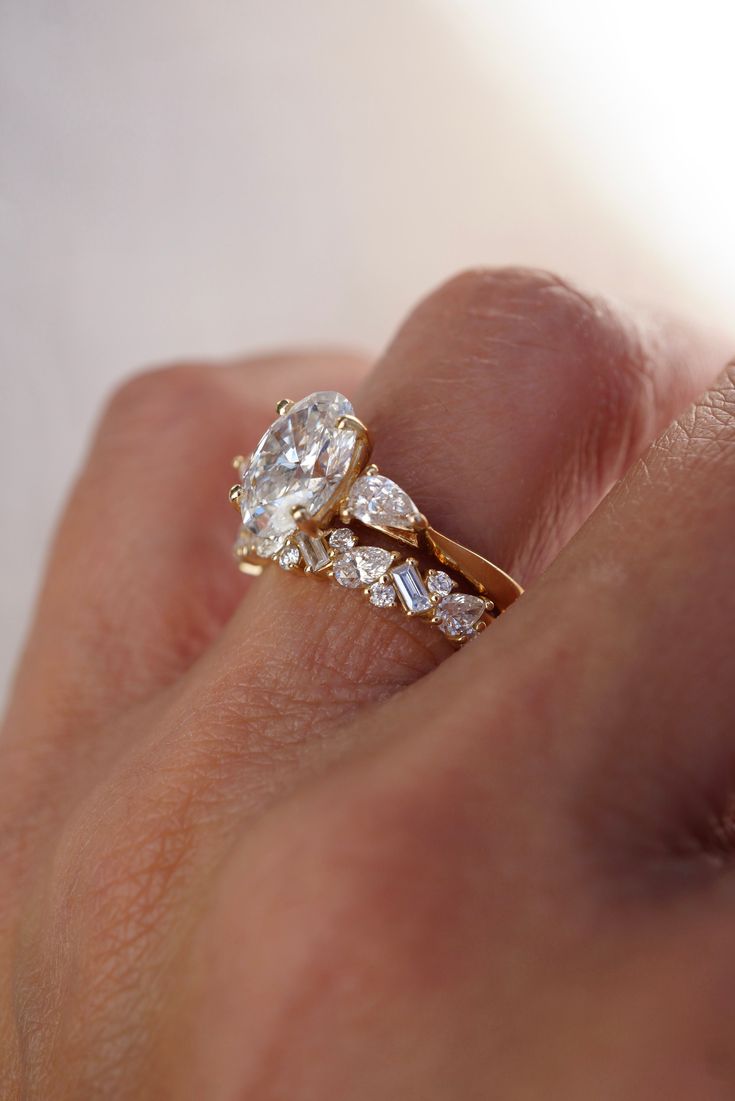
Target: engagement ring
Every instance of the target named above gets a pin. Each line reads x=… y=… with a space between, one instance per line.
x=309 y=498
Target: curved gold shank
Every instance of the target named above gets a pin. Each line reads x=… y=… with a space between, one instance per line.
x=487 y=578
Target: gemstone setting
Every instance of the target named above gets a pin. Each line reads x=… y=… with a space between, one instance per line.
x=439 y=583
x=382 y=594
x=302 y=460
x=341 y=539
x=313 y=551
x=410 y=588
x=380 y=503
x=361 y=566
x=289 y=557
x=459 y=614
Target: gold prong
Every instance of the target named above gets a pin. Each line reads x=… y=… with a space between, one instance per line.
x=252 y=569
x=481 y=626
x=419 y=521
x=235 y=495
x=304 y=522
x=371 y=470
x=344 y=514
x=347 y=420
x=283 y=406
x=238 y=461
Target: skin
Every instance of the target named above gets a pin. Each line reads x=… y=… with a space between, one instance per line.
x=259 y=840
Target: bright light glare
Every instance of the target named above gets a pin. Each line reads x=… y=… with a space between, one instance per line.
x=640 y=93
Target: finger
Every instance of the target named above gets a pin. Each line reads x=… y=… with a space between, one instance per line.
x=506 y=406
x=615 y=675
x=262 y=704
x=138 y=582
x=636 y=619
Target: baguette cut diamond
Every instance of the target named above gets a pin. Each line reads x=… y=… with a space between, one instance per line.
x=410 y=588
x=313 y=551
x=301 y=460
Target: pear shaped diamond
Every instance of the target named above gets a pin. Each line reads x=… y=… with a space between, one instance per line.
x=459 y=614
x=361 y=566
x=379 y=502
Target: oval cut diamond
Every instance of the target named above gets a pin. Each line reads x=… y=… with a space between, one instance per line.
x=301 y=460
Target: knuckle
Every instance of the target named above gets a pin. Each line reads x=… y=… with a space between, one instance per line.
x=162 y=399
x=522 y=301
x=509 y=333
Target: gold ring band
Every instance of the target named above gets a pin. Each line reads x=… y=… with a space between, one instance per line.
x=311 y=470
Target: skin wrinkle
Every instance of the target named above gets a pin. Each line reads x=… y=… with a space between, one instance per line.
x=183 y=766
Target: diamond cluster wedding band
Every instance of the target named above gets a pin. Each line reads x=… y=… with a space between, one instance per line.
x=309 y=499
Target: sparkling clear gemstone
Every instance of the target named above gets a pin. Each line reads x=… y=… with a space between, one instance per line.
x=439 y=583
x=379 y=502
x=459 y=614
x=301 y=460
x=361 y=566
x=410 y=588
x=289 y=558
x=382 y=594
x=342 y=539
x=313 y=551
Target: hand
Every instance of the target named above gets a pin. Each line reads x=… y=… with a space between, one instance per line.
x=278 y=847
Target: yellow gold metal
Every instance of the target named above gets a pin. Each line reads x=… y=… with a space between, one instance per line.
x=252 y=569
x=487 y=579
x=347 y=420
x=304 y=522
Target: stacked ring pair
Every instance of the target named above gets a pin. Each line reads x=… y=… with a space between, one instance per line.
x=310 y=499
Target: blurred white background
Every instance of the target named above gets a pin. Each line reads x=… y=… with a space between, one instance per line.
x=200 y=177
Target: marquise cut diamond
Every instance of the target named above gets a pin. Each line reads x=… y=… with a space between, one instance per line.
x=378 y=502
x=301 y=460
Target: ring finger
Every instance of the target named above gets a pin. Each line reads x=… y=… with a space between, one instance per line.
x=506 y=407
